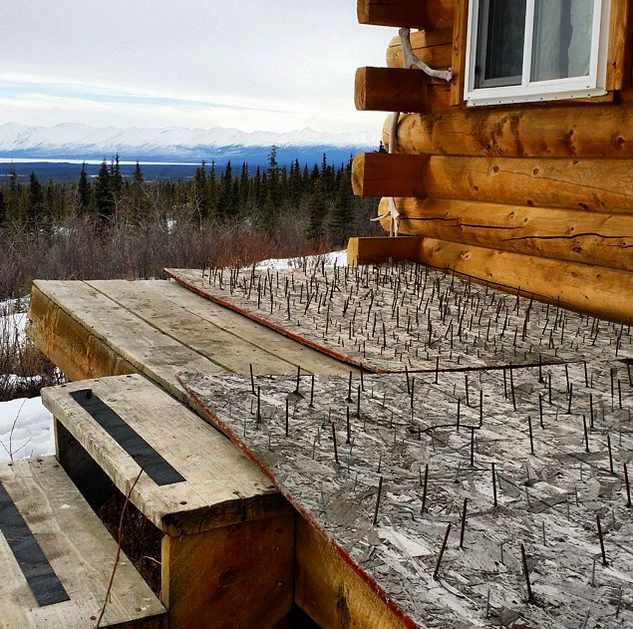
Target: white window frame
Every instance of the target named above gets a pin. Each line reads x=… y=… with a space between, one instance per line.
x=531 y=91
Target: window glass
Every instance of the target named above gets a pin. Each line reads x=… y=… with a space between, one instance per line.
x=562 y=39
x=500 y=42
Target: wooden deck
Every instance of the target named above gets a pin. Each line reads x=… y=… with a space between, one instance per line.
x=159 y=329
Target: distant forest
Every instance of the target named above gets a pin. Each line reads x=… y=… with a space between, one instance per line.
x=110 y=226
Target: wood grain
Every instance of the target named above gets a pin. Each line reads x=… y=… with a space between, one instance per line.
x=395 y=89
x=600 y=239
x=561 y=130
x=222 y=487
x=422 y=14
x=80 y=550
x=234 y=576
x=431 y=46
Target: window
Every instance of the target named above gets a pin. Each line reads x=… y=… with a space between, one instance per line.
x=532 y=50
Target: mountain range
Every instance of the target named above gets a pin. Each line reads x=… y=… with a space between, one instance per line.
x=72 y=141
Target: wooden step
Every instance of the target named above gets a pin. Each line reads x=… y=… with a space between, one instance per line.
x=57 y=558
x=227 y=552
x=193 y=479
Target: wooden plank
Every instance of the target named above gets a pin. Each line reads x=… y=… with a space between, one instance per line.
x=460 y=52
x=187 y=303
x=431 y=46
x=235 y=576
x=599 y=291
x=70 y=345
x=377 y=249
x=557 y=130
x=227 y=350
x=387 y=174
x=221 y=486
x=421 y=14
x=620 y=45
x=395 y=89
x=330 y=592
x=79 y=549
x=147 y=350
x=599 y=239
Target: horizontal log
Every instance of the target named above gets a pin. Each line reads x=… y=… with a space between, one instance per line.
x=433 y=47
x=421 y=14
x=603 y=185
x=573 y=235
x=395 y=89
x=580 y=130
x=377 y=249
x=378 y=174
x=601 y=292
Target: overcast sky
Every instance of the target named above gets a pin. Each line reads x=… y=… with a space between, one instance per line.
x=274 y=65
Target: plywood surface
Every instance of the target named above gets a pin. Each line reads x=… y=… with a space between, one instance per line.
x=79 y=549
x=221 y=485
x=548 y=497
x=394 y=317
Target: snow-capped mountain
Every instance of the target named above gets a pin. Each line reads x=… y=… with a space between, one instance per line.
x=79 y=141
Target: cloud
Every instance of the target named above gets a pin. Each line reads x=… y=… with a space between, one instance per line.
x=249 y=63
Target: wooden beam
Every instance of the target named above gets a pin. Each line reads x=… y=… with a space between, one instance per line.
x=432 y=46
x=395 y=89
x=573 y=235
x=574 y=130
x=234 y=576
x=460 y=52
x=329 y=590
x=374 y=250
x=620 y=45
x=376 y=174
x=73 y=347
x=585 y=288
x=420 y=14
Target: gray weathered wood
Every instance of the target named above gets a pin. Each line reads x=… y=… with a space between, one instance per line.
x=395 y=439
x=222 y=486
x=81 y=552
x=396 y=316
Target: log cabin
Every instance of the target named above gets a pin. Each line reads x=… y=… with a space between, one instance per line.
x=514 y=174
x=518 y=170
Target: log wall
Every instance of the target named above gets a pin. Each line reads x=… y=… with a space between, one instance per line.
x=545 y=188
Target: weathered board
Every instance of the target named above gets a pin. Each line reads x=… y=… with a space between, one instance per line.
x=220 y=487
x=88 y=333
x=548 y=494
x=80 y=551
x=396 y=316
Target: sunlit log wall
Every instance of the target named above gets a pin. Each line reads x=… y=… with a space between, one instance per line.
x=508 y=193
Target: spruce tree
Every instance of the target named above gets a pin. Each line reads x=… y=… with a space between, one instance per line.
x=3 y=208
x=342 y=213
x=317 y=209
x=36 y=199
x=104 y=196
x=116 y=179
x=83 y=190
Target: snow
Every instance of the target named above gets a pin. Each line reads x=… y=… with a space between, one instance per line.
x=26 y=429
x=71 y=137
x=26 y=426
x=334 y=258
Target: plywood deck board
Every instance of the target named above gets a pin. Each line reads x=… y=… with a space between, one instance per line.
x=221 y=486
x=310 y=360
x=393 y=317
x=79 y=549
x=148 y=350
x=559 y=489
x=227 y=350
